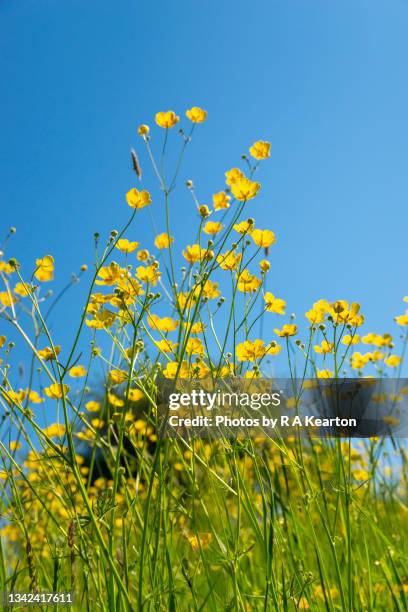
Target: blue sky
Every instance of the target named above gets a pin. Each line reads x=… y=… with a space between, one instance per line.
x=325 y=82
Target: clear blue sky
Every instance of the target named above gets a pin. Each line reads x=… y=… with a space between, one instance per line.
x=325 y=82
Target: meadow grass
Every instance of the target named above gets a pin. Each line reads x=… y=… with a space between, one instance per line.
x=95 y=501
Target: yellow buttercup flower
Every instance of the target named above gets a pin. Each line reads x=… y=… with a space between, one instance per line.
x=377 y=339
x=274 y=304
x=250 y=350
x=325 y=374
x=204 y=211
x=402 y=319
x=143 y=130
x=260 y=149
x=233 y=176
x=264 y=265
x=173 y=368
x=202 y=540
x=56 y=391
x=143 y=255
x=166 y=346
x=114 y=400
x=45 y=268
x=393 y=361
x=6 y=268
x=359 y=360
x=163 y=241
x=55 y=430
x=289 y=329
x=126 y=246
x=247 y=282
x=221 y=200
x=111 y=274
x=148 y=274
x=117 y=377
x=47 y=354
x=138 y=199
x=245 y=189
x=194 y=253
x=135 y=395
x=244 y=227
x=167 y=119
x=213 y=227
x=34 y=397
x=15 y=397
x=101 y=320
x=324 y=347
x=195 y=328
x=78 y=371
x=23 y=289
x=210 y=290
x=93 y=406
x=196 y=114
x=164 y=324
x=263 y=238
x=348 y=339
x=7 y=299
x=229 y=260
x=194 y=346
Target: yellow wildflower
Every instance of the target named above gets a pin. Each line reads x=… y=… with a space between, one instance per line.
x=233 y=175
x=324 y=347
x=148 y=274
x=47 y=354
x=23 y=289
x=109 y=275
x=164 y=324
x=163 y=241
x=172 y=367
x=202 y=540
x=143 y=255
x=289 y=329
x=78 y=371
x=260 y=149
x=93 y=406
x=325 y=374
x=166 y=346
x=116 y=377
x=143 y=130
x=167 y=119
x=393 y=361
x=250 y=351
x=273 y=304
x=229 y=260
x=348 y=339
x=7 y=299
x=124 y=245
x=247 y=282
x=56 y=391
x=244 y=227
x=45 y=268
x=263 y=238
x=101 y=320
x=221 y=200
x=245 y=189
x=213 y=227
x=196 y=114
x=55 y=430
x=138 y=199
x=194 y=346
